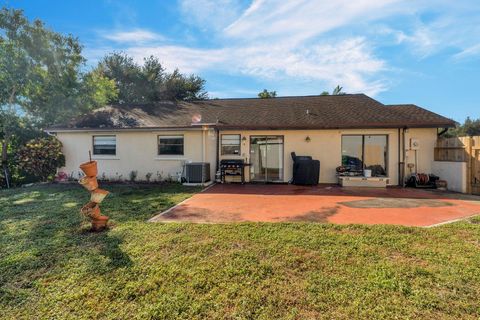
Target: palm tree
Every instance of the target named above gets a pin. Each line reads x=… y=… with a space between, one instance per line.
x=337 y=91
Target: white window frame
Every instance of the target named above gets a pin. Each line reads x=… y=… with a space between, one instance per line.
x=177 y=136
x=104 y=154
x=239 y=144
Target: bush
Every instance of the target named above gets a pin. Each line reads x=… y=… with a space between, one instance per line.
x=133 y=175
x=41 y=157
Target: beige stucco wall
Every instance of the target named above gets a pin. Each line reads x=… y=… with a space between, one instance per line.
x=425 y=153
x=324 y=145
x=455 y=173
x=137 y=151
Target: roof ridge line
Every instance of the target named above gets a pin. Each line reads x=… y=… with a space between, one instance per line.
x=282 y=97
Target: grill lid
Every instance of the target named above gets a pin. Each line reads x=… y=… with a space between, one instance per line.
x=232 y=162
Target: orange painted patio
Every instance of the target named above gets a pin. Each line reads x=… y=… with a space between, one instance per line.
x=289 y=203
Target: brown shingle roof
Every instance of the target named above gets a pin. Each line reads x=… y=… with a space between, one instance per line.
x=415 y=115
x=307 y=112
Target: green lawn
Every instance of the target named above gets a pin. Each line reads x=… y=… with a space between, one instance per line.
x=52 y=267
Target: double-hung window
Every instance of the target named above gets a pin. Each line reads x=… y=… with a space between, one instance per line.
x=365 y=152
x=170 y=145
x=104 y=145
x=230 y=144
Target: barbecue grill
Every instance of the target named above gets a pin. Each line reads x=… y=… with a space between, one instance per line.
x=232 y=167
x=305 y=170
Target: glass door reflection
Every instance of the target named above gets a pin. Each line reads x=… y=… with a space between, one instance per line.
x=266 y=158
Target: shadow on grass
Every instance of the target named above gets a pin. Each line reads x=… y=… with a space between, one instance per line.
x=107 y=246
x=43 y=234
x=42 y=230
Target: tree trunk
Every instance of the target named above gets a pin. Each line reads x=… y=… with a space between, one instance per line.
x=6 y=137
x=5 y=169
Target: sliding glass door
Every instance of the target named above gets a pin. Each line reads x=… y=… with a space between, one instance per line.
x=366 y=152
x=266 y=158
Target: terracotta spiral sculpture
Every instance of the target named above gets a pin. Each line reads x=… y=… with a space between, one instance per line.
x=92 y=209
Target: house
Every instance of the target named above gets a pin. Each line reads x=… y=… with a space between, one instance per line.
x=353 y=130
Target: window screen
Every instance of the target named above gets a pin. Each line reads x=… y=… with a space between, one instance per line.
x=170 y=145
x=230 y=144
x=104 y=145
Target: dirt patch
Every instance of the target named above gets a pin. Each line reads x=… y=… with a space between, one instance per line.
x=396 y=203
x=186 y=214
x=473 y=202
x=315 y=216
x=199 y=215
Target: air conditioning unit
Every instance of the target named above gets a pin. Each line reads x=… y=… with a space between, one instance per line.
x=414 y=144
x=197 y=172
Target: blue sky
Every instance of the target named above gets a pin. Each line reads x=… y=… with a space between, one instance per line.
x=425 y=52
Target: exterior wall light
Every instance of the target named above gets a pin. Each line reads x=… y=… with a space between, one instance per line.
x=307 y=139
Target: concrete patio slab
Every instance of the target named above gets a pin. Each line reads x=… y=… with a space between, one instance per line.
x=324 y=203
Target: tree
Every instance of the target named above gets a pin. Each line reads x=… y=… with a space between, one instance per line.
x=41 y=71
x=42 y=157
x=180 y=87
x=149 y=82
x=468 y=128
x=265 y=94
x=40 y=76
x=337 y=91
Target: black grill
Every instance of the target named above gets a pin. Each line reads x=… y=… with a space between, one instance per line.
x=232 y=167
x=232 y=163
x=305 y=170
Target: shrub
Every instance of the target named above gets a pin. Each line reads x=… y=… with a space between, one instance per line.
x=133 y=175
x=148 y=176
x=41 y=157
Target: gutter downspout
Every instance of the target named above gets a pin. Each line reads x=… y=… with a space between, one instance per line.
x=444 y=130
x=217 y=155
x=203 y=144
x=204 y=128
x=399 y=160
x=402 y=168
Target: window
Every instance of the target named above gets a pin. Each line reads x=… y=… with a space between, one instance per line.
x=104 y=145
x=230 y=144
x=170 y=145
x=352 y=153
x=375 y=154
x=365 y=152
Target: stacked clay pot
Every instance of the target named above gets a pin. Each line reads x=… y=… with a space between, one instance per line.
x=92 y=208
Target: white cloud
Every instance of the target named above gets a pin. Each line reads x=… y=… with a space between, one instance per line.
x=210 y=14
x=187 y=60
x=136 y=35
x=282 y=51
x=449 y=25
x=349 y=62
x=302 y=19
x=310 y=40
x=473 y=51
x=422 y=41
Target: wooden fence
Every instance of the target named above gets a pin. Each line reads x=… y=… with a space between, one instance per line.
x=462 y=149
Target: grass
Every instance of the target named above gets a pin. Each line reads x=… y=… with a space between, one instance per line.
x=52 y=267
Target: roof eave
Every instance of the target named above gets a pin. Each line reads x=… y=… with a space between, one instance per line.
x=369 y=126
x=254 y=127
x=189 y=128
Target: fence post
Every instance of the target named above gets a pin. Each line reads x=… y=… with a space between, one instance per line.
x=469 y=150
